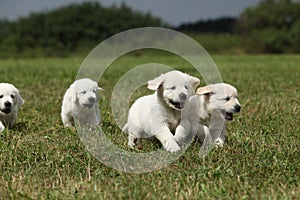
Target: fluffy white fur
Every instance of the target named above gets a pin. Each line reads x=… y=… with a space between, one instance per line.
x=10 y=101
x=80 y=103
x=218 y=102
x=159 y=114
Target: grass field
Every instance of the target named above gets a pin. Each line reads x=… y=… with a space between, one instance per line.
x=40 y=159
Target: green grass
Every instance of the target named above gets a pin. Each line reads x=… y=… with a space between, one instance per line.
x=41 y=159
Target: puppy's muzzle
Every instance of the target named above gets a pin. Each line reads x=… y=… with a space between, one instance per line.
x=7 y=104
x=92 y=99
x=90 y=102
x=7 y=107
x=182 y=97
x=180 y=104
x=237 y=108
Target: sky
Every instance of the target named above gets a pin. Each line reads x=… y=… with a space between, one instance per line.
x=173 y=12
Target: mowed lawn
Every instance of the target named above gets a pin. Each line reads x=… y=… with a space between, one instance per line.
x=41 y=159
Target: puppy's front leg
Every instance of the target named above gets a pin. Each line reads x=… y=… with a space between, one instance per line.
x=167 y=139
x=2 y=127
x=217 y=129
x=67 y=121
x=219 y=141
x=183 y=132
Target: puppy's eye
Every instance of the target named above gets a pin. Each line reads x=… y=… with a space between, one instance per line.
x=173 y=88
x=12 y=96
x=1 y=96
x=227 y=98
x=83 y=92
x=186 y=87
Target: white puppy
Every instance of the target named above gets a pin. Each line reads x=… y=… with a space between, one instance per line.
x=159 y=114
x=10 y=101
x=80 y=103
x=206 y=112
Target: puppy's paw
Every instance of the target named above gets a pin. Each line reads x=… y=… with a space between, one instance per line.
x=67 y=124
x=131 y=144
x=132 y=141
x=219 y=142
x=172 y=146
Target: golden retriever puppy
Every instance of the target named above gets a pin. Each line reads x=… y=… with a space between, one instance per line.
x=159 y=114
x=80 y=103
x=10 y=102
x=206 y=112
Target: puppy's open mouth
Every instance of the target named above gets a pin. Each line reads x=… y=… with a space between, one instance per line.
x=178 y=105
x=229 y=116
x=6 y=110
x=88 y=105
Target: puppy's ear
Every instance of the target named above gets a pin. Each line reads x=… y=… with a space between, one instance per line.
x=194 y=81
x=156 y=83
x=206 y=90
x=20 y=100
x=100 y=89
x=97 y=94
x=73 y=95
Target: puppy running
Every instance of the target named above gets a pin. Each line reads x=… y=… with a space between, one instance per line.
x=159 y=114
x=80 y=103
x=206 y=112
x=10 y=101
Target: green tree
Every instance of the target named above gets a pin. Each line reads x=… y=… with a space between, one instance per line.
x=272 y=25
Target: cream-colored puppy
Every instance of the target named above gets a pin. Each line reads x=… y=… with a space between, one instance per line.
x=10 y=101
x=159 y=114
x=80 y=103
x=206 y=112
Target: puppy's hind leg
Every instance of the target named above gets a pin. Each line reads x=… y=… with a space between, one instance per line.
x=132 y=139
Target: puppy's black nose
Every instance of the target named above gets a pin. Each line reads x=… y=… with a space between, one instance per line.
x=7 y=104
x=237 y=108
x=92 y=99
x=182 y=97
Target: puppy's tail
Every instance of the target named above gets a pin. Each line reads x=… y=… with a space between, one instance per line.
x=125 y=128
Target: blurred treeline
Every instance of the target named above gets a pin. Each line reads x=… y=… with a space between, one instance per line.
x=273 y=26
x=68 y=30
